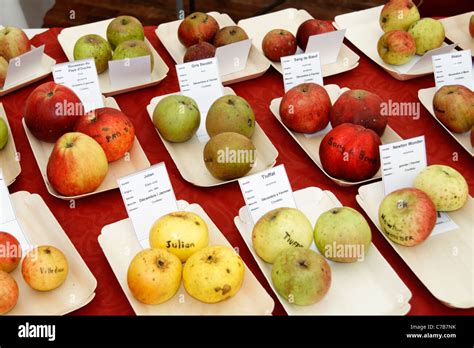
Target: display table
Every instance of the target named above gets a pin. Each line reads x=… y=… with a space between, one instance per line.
x=84 y=219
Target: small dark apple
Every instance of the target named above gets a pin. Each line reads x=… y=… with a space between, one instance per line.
x=201 y=50
x=309 y=28
x=229 y=35
x=278 y=43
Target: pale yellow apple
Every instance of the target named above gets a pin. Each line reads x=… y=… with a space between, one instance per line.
x=280 y=229
x=45 y=268
x=182 y=233
x=213 y=274
x=154 y=276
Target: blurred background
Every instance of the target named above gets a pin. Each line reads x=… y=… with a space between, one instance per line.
x=64 y=13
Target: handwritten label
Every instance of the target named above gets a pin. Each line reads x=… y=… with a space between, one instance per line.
x=130 y=72
x=81 y=77
x=327 y=44
x=201 y=81
x=453 y=68
x=24 y=67
x=266 y=191
x=301 y=68
x=147 y=195
x=233 y=57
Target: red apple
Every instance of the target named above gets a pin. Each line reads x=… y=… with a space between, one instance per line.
x=111 y=128
x=52 y=110
x=77 y=165
x=201 y=50
x=309 y=28
x=10 y=252
x=453 y=106
x=305 y=108
x=197 y=27
x=359 y=107
x=278 y=43
x=13 y=43
x=350 y=152
x=8 y=292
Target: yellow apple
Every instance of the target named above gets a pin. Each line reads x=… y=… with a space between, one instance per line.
x=213 y=274
x=8 y=292
x=154 y=276
x=45 y=268
x=182 y=233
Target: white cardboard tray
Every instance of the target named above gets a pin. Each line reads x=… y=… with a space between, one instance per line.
x=457 y=30
x=8 y=158
x=370 y=287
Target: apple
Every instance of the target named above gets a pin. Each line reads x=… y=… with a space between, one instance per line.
x=181 y=233
x=230 y=34
x=197 y=27
x=343 y=235
x=3 y=71
x=96 y=47
x=133 y=49
x=305 y=108
x=428 y=34
x=3 y=134
x=309 y=28
x=396 y=47
x=177 y=118
x=154 y=276
x=301 y=276
x=10 y=252
x=446 y=187
x=9 y=292
x=201 y=50
x=213 y=274
x=398 y=15
x=230 y=113
x=280 y=229
x=407 y=216
x=77 y=165
x=453 y=105
x=350 y=152
x=111 y=128
x=124 y=28
x=360 y=107
x=278 y=43
x=52 y=110
x=45 y=268
x=471 y=26
x=13 y=43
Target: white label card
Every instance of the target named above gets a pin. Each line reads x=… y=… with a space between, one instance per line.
x=201 y=81
x=147 y=195
x=130 y=72
x=81 y=77
x=266 y=191
x=24 y=67
x=453 y=68
x=327 y=44
x=233 y=57
x=8 y=221
x=401 y=162
x=301 y=68
x=423 y=62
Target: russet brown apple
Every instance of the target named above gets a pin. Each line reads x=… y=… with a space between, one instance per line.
x=201 y=50
x=229 y=35
x=111 y=128
x=305 y=108
x=77 y=165
x=309 y=28
x=278 y=43
x=453 y=105
x=197 y=27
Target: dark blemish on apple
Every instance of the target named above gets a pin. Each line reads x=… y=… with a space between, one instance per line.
x=197 y=223
x=249 y=122
x=228 y=270
x=303 y=263
x=50 y=94
x=226 y=289
x=105 y=129
x=69 y=145
x=334 y=211
x=160 y=264
x=232 y=32
x=384 y=19
x=230 y=102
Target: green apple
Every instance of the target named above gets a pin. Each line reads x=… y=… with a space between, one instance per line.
x=301 y=276
x=94 y=46
x=398 y=14
x=428 y=34
x=396 y=47
x=342 y=235
x=133 y=49
x=124 y=28
x=177 y=118
x=280 y=229
x=446 y=187
x=3 y=134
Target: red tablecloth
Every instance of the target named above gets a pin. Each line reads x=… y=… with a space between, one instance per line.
x=84 y=223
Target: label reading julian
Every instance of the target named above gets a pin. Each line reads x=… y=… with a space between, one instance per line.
x=301 y=68
x=453 y=68
x=266 y=191
x=148 y=195
x=201 y=81
x=81 y=77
